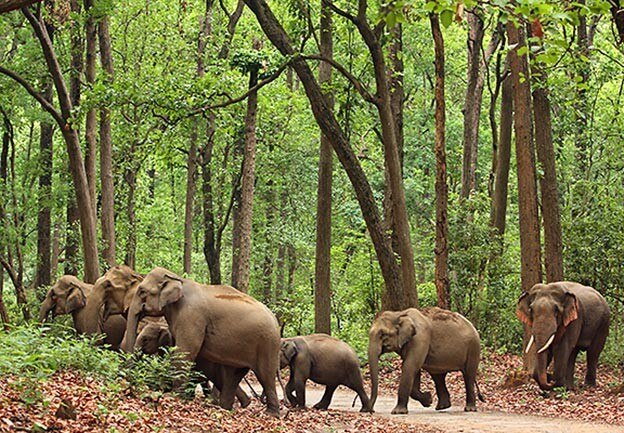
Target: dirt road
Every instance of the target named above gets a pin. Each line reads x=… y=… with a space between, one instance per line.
x=455 y=420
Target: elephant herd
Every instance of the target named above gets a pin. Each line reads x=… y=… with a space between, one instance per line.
x=226 y=333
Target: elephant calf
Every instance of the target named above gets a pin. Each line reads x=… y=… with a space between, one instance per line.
x=156 y=335
x=326 y=361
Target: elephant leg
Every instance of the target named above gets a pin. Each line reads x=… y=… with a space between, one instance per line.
x=356 y=384
x=290 y=388
x=569 y=378
x=300 y=391
x=593 y=353
x=562 y=356
x=231 y=378
x=327 y=397
x=266 y=377
x=412 y=363
x=469 y=381
x=189 y=344
x=423 y=397
x=444 y=399
x=242 y=397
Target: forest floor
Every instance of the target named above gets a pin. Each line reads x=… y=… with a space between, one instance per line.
x=510 y=409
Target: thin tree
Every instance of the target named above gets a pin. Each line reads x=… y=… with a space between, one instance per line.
x=530 y=255
x=322 y=273
x=106 y=149
x=91 y=117
x=441 y=188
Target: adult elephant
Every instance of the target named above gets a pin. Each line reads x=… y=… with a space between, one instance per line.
x=155 y=335
x=69 y=295
x=218 y=324
x=436 y=340
x=563 y=318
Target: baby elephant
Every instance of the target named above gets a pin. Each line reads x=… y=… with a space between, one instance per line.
x=326 y=361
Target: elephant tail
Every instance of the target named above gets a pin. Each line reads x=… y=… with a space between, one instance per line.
x=354 y=398
x=479 y=395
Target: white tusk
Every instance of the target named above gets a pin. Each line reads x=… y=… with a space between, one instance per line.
x=530 y=344
x=548 y=343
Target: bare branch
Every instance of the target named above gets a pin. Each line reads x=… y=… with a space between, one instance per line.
x=38 y=96
x=361 y=89
x=340 y=12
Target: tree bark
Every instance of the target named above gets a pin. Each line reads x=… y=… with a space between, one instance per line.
x=530 y=255
x=70 y=135
x=10 y=5
x=267 y=265
x=330 y=127
x=44 y=219
x=91 y=118
x=106 y=150
x=241 y=252
x=553 y=247
x=472 y=103
x=441 y=188
x=322 y=272
x=501 y=180
x=130 y=177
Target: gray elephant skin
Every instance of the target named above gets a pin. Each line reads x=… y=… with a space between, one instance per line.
x=436 y=340
x=562 y=319
x=325 y=360
x=218 y=324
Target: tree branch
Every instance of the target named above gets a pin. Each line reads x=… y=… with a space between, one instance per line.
x=340 y=12
x=361 y=89
x=38 y=96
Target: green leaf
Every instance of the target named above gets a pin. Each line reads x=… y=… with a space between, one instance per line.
x=446 y=17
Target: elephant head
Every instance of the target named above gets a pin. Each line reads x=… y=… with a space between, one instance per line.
x=389 y=332
x=159 y=289
x=546 y=310
x=288 y=350
x=152 y=337
x=116 y=289
x=66 y=296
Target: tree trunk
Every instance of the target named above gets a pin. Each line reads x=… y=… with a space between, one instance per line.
x=10 y=5
x=441 y=188
x=269 y=251
x=553 y=248
x=581 y=104
x=56 y=249
x=4 y=315
x=322 y=272
x=501 y=180
x=77 y=169
x=330 y=127
x=106 y=151
x=241 y=252
x=130 y=177
x=91 y=119
x=44 y=220
x=472 y=103
x=531 y=270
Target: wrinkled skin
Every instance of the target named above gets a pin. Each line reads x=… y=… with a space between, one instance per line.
x=326 y=361
x=218 y=324
x=562 y=319
x=156 y=335
x=436 y=340
x=69 y=295
x=116 y=288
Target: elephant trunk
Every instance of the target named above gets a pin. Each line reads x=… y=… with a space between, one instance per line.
x=374 y=351
x=543 y=342
x=134 y=316
x=45 y=309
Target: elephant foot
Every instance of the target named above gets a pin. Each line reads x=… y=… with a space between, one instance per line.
x=321 y=406
x=590 y=383
x=443 y=405
x=399 y=410
x=470 y=408
x=274 y=413
x=424 y=398
x=364 y=410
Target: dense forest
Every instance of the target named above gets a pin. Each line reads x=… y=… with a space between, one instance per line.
x=333 y=159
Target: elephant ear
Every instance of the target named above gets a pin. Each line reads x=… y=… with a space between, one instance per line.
x=75 y=299
x=289 y=349
x=164 y=338
x=522 y=309
x=570 y=308
x=170 y=292
x=406 y=329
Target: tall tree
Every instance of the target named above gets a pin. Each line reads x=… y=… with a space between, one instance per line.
x=322 y=274
x=241 y=250
x=441 y=188
x=44 y=220
x=530 y=253
x=72 y=141
x=106 y=149
x=340 y=142
x=91 y=117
